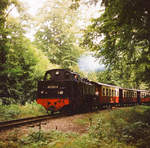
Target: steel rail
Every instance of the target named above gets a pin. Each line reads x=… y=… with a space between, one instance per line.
x=25 y=121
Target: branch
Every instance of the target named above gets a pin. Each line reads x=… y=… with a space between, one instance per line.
x=9 y=12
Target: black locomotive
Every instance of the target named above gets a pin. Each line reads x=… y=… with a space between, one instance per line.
x=64 y=90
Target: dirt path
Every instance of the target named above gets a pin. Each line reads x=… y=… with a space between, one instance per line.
x=64 y=124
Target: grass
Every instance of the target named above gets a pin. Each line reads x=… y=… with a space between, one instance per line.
x=15 y=111
x=127 y=127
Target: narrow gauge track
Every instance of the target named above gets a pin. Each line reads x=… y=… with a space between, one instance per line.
x=27 y=121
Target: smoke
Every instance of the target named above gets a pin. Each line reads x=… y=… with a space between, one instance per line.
x=88 y=63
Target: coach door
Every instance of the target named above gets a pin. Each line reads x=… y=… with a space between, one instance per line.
x=120 y=97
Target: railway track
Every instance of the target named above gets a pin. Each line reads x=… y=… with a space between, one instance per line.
x=31 y=120
x=27 y=121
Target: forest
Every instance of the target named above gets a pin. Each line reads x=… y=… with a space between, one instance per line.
x=106 y=41
x=64 y=31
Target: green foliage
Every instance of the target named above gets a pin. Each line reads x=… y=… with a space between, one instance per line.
x=35 y=137
x=129 y=126
x=53 y=139
x=15 y=111
x=122 y=39
x=9 y=112
x=25 y=65
x=31 y=109
x=125 y=128
x=122 y=79
x=56 y=35
x=23 y=62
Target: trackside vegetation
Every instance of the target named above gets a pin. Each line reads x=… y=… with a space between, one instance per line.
x=127 y=127
x=15 y=111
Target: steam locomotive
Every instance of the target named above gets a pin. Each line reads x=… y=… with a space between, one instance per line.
x=65 y=91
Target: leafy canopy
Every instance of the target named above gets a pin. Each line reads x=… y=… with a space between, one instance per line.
x=56 y=33
x=121 y=35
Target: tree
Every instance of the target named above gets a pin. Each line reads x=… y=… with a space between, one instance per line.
x=56 y=33
x=121 y=35
x=3 y=44
x=21 y=64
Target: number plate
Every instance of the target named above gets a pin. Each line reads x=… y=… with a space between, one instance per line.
x=52 y=86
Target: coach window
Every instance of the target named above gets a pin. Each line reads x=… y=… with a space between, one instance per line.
x=124 y=94
x=129 y=94
x=117 y=93
x=104 y=92
x=135 y=95
x=142 y=95
x=112 y=92
x=109 y=92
